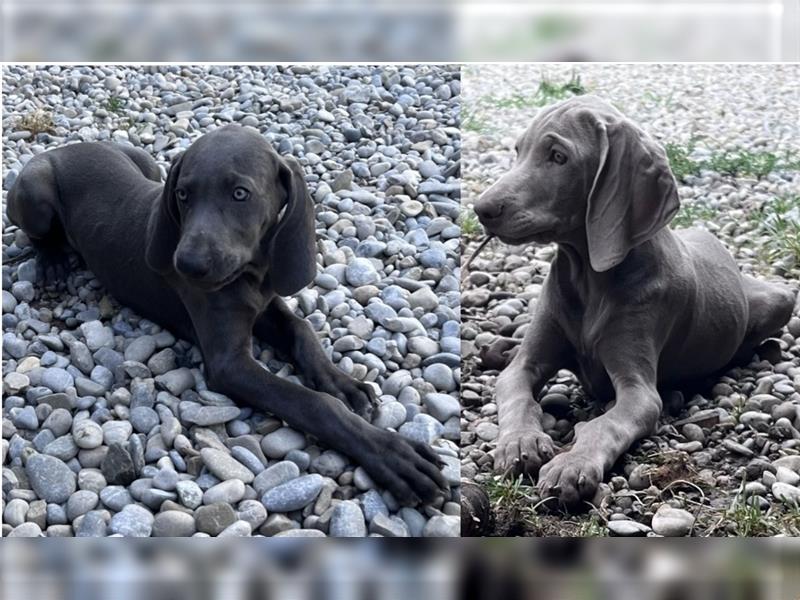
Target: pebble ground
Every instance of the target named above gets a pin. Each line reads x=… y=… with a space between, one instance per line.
x=108 y=427
x=725 y=461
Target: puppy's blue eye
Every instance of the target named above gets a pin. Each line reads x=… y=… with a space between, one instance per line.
x=558 y=157
x=240 y=194
x=181 y=195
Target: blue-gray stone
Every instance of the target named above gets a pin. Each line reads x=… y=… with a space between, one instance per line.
x=166 y=479
x=63 y=448
x=56 y=379
x=24 y=292
x=281 y=441
x=441 y=376
x=50 y=478
x=198 y=414
x=56 y=514
x=390 y=415
x=373 y=504
x=294 y=494
x=442 y=406
x=97 y=335
x=140 y=349
x=247 y=458
x=329 y=464
x=144 y=419
x=433 y=257
x=27 y=270
x=275 y=475
x=426 y=433
x=80 y=503
x=14 y=346
x=81 y=356
x=361 y=271
x=92 y=525
x=415 y=521
x=9 y=302
x=347 y=520
x=132 y=521
x=26 y=418
x=189 y=493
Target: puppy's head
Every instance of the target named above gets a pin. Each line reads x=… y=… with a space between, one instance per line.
x=583 y=171
x=230 y=200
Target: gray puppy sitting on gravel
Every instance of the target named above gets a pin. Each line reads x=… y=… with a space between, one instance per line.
x=629 y=306
x=208 y=256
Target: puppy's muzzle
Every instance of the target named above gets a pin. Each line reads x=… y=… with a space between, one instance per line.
x=192 y=264
x=489 y=210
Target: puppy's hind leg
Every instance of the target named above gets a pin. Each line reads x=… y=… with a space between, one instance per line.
x=770 y=308
x=31 y=206
x=143 y=161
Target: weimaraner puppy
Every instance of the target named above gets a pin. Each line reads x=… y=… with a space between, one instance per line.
x=629 y=306
x=208 y=256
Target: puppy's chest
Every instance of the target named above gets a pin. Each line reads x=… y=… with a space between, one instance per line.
x=583 y=322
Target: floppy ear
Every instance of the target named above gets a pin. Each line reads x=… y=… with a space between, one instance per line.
x=634 y=194
x=292 y=250
x=163 y=228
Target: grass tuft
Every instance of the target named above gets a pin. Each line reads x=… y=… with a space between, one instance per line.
x=747 y=520
x=550 y=92
x=679 y=161
x=116 y=104
x=736 y=163
x=470 y=225
x=513 y=495
x=37 y=121
x=473 y=117
x=691 y=213
x=781 y=221
x=592 y=527
x=471 y=121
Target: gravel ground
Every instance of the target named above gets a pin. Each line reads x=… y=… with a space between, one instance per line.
x=726 y=460
x=108 y=428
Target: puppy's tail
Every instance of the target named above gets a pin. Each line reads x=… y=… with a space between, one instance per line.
x=467 y=264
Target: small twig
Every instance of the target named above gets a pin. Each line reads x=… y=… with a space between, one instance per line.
x=542 y=501
x=596 y=509
x=467 y=264
x=684 y=481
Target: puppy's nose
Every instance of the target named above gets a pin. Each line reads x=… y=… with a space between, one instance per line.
x=192 y=264
x=488 y=210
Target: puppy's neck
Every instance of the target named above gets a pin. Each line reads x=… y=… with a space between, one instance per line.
x=573 y=267
x=574 y=249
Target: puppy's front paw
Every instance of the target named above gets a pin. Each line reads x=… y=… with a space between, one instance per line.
x=361 y=398
x=499 y=353
x=522 y=451
x=571 y=477
x=52 y=266
x=358 y=396
x=409 y=470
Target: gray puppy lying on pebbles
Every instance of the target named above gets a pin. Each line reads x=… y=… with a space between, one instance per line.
x=628 y=306
x=208 y=256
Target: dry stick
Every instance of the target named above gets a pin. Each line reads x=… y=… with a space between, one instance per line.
x=27 y=252
x=488 y=239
